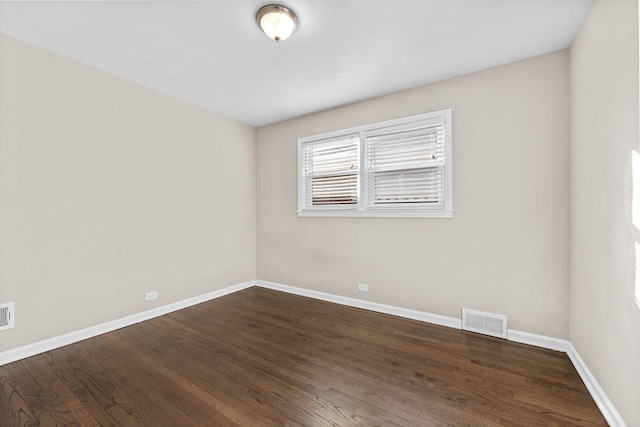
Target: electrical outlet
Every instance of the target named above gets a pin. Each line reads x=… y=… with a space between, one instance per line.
x=363 y=288
x=150 y=295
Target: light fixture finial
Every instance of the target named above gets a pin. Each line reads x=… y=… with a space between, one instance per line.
x=278 y=22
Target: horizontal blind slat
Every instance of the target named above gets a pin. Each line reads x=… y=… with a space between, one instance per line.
x=330 y=171
x=406 y=168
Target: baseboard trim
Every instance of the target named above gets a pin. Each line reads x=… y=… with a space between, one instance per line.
x=538 y=340
x=451 y=322
x=611 y=415
x=437 y=319
x=609 y=411
x=83 y=334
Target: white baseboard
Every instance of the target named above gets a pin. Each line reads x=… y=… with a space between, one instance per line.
x=451 y=322
x=597 y=393
x=437 y=319
x=609 y=411
x=550 y=343
x=73 y=337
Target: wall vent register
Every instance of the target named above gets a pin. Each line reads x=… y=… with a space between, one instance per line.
x=484 y=323
x=7 y=316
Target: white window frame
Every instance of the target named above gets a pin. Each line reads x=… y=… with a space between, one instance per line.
x=360 y=210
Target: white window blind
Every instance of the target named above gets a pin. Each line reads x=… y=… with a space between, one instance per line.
x=331 y=172
x=405 y=165
x=399 y=167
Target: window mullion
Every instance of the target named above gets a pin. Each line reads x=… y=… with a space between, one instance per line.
x=362 y=173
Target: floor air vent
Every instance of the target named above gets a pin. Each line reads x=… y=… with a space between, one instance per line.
x=484 y=323
x=7 y=315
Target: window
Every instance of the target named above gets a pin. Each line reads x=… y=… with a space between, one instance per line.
x=394 y=168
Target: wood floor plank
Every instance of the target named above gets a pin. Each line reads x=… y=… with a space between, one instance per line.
x=261 y=358
x=105 y=400
x=328 y=368
x=171 y=380
x=287 y=380
x=7 y=413
x=65 y=400
x=233 y=376
x=52 y=405
x=138 y=399
x=474 y=401
x=22 y=411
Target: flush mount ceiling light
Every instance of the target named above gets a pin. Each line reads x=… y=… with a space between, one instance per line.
x=277 y=22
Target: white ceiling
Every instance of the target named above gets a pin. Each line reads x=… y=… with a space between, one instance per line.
x=213 y=54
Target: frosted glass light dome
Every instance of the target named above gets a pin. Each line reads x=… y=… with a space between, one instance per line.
x=278 y=22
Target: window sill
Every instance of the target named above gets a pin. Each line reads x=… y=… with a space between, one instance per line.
x=375 y=214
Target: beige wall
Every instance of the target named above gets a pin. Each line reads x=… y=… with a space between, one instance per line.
x=505 y=250
x=109 y=190
x=605 y=316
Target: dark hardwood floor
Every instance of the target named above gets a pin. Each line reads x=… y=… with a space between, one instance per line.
x=265 y=358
